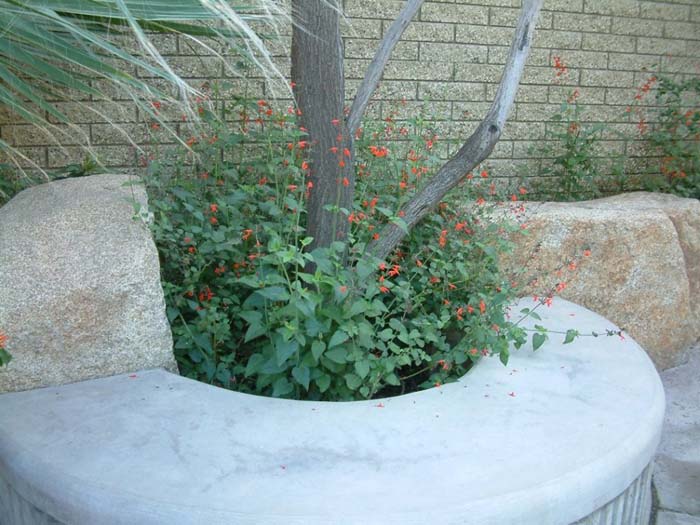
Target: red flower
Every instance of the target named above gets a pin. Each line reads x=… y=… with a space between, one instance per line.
x=3 y=340
x=246 y=234
x=292 y=187
x=213 y=208
x=346 y=182
x=383 y=289
x=482 y=306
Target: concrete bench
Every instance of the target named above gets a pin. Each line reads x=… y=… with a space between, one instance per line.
x=562 y=435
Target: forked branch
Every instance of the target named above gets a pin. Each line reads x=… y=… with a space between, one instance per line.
x=477 y=147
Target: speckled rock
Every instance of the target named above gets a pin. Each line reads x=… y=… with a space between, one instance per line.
x=80 y=284
x=643 y=271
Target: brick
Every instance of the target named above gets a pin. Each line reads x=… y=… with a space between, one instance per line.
x=357 y=48
x=587 y=95
x=457 y=13
x=26 y=157
x=632 y=26
x=582 y=22
x=631 y=62
x=607 y=78
x=582 y=59
x=461 y=91
x=537 y=57
x=660 y=46
x=687 y=30
x=101 y=111
x=383 y=9
x=612 y=7
x=428 y=31
x=546 y=76
x=526 y=93
x=535 y=112
x=523 y=130
x=24 y=135
x=478 y=72
x=547 y=38
x=193 y=67
x=680 y=64
x=509 y=18
x=695 y=13
x=411 y=109
x=452 y=52
x=388 y=89
x=563 y=5
x=620 y=96
x=362 y=28
x=487 y=35
x=418 y=71
x=664 y=11
x=605 y=42
x=470 y=110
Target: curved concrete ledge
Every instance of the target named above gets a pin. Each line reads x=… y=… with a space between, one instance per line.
x=563 y=435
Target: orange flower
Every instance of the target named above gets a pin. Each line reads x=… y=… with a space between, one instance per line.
x=586 y=253
x=383 y=289
x=305 y=165
x=246 y=234
x=346 y=182
x=484 y=174
x=482 y=306
x=292 y=187
x=375 y=237
x=470 y=309
x=379 y=151
x=213 y=208
x=343 y=289
x=3 y=340
x=460 y=312
x=213 y=220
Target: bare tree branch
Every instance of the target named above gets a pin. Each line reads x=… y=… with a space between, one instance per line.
x=477 y=147
x=376 y=67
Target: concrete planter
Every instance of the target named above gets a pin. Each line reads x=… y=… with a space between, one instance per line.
x=564 y=435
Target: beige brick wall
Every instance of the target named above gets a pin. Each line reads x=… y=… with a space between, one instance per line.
x=448 y=64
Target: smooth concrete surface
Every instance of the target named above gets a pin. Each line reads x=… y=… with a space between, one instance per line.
x=677 y=470
x=673 y=518
x=550 y=439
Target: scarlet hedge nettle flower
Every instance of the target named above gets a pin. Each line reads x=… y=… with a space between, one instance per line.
x=187 y=240
x=341 y=163
x=3 y=340
x=213 y=208
x=206 y=295
x=346 y=182
x=586 y=253
x=246 y=234
x=460 y=312
x=484 y=174
x=219 y=270
x=292 y=187
x=474 y=351
x=480 y=201
x=442 y=241
x=470 y=309
x=346 y=152
x=379 y=151
x=419 y=263
x=343 y=289
x=434 y=279
x=334 y=149
x=191 y=249
x=375 y=237
x=522 y=191
x=305 y=165
x=213 y=220
x=383 y=289
x=482 y=306
x=394 y=270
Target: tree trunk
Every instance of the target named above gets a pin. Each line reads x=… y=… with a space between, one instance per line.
x=319 y=87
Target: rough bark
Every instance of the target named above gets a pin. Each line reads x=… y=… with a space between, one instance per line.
x=319 y=87
x=477 y=147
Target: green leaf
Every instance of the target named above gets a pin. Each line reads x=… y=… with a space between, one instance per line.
x=353 y=381
x=284 y=349
x=254 y=363
x=538 y=340
x=570 y=336
x=302 y=375
x=254 y=331
x=362 y=368
x=281 y=387
x=503 y=355
x=274 y=293
x=323 y=382
x=337 y=355
x=339 y=337
x=317 y=348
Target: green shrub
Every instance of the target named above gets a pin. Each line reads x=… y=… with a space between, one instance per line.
x=675 y=137
x=253 y=311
